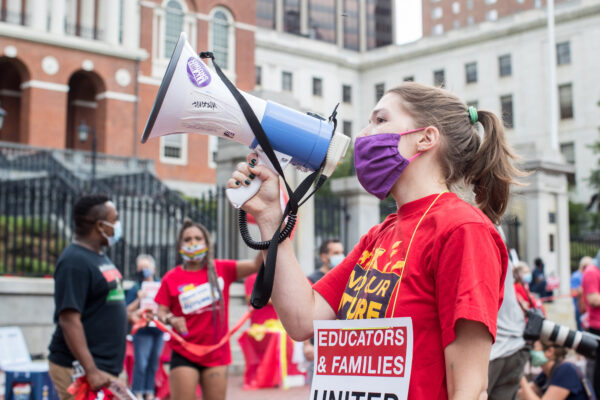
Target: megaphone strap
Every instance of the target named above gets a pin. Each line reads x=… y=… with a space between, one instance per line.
x=263 y=286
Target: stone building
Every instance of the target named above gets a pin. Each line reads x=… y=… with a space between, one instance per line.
x=65 y=63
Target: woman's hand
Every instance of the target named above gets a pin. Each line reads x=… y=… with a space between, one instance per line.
x=265 y=205
x=179 y=324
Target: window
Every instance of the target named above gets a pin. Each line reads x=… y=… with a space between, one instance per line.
x=173 y=26
x=563 y=53
x=565 y=98
x=265 y=13
x=439 y=78
x=456 y=7
x=568 y=151
x=286 y=81
x=504 y=65
x=438 y=29
x=456 y=24
x=437 y=13
x=291 y=16
x=491 y=1
x=470 y=20
x=507 y=110
x=220 y=39
x=379 y=91
x=347 y=128
x=347 y=94
x=471 y=72
x=173 y=149
x=491 y=15
x=469 y=4
x=409 y=78
x=317 y=87
x=258 y=75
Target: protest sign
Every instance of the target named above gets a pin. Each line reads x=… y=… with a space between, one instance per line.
x=362 y=359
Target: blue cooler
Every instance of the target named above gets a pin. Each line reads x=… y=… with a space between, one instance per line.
x=25 y=380
x=29 y=382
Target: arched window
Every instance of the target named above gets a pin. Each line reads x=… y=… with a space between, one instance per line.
x=220 y=39
x=173 y=26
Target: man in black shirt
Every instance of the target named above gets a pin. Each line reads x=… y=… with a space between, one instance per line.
x=90 y=302
x=331 y=253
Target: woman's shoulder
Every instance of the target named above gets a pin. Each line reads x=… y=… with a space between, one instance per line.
x=170 y=274
x=222 y=265
x=456 y=215
x=567 y=367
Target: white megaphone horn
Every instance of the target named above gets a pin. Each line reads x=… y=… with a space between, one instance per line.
x=193 y=99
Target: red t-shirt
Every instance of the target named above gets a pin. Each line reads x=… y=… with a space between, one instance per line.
x=455 y=269
x=259 y=315
x=591 y=284
x=188 y=291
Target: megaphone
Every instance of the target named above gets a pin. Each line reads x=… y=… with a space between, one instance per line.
x=194 y=99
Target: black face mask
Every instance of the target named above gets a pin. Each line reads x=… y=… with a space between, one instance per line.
x=140 y=276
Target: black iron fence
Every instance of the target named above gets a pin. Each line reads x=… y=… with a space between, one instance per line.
x=36 y=225
x=583 y=246
x=36 y=221
x=331 y=220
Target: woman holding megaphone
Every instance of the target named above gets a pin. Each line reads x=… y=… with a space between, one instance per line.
x=437 y=260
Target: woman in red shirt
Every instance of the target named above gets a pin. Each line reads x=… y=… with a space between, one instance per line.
x=438 y=260
x=194 y=298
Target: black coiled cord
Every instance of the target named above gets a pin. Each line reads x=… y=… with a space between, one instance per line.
x=285 y=233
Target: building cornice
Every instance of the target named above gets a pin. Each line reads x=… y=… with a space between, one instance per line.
x=300 y=46
x=71 y=42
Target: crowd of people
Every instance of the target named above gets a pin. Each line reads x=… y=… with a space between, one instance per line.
x=439 y=260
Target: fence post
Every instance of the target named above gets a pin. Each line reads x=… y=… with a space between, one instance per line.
x=362 y=207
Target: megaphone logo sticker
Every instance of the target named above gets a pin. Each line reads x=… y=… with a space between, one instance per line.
x=197 y=72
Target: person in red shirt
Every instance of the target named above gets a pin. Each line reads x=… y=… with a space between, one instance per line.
x=526 y=299
x=437 y=260
x=194 y=299
x=591 y=296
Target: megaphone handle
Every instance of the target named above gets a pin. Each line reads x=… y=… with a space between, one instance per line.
x=238 y=196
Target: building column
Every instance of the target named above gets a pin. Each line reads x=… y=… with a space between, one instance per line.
x=363 y=207
x=111 y=21
x=86 y=19
x=57 y=17
x=38 y=14
x=131 y=30
x=545 y=193
x=304 y=28
x=362 y=25
x=563 y=242
x=279 y=15
x=339 y=23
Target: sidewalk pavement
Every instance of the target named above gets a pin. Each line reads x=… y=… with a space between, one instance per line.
x=235 y=391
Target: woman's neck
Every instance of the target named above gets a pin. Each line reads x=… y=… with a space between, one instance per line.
x=419 y=180
x=547 y=368
x=193 y=265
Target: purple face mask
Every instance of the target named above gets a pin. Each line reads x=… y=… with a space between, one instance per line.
x=378 y=162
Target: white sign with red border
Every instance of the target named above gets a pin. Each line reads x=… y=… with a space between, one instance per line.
x=367 y=359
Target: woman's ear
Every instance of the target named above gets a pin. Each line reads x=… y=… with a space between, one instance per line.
x=428 y=139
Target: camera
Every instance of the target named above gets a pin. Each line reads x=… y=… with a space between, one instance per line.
x=538 y=327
